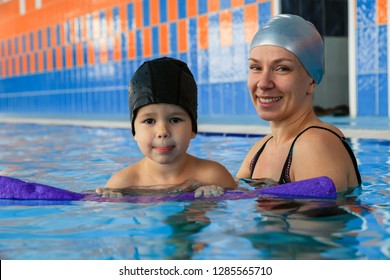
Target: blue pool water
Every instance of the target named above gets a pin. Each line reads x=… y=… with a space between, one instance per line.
x=355 y=226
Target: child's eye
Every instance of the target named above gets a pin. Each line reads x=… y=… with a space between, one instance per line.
x=149 y=121
x=176 y=120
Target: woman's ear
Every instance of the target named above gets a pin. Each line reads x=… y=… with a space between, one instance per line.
x=312 y=86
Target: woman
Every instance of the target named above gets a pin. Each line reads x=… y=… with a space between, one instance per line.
x=286 y=63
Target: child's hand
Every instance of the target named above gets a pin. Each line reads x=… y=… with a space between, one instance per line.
x=209 y=191
x=107 y=193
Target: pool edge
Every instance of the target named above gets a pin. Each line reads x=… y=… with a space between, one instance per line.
x=204 y=129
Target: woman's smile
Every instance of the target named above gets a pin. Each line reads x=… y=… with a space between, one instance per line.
x=269 y=100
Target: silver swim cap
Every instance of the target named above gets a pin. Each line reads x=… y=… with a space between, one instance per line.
x=298 y=36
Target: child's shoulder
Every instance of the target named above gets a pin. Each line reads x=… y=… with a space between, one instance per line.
x=206 y=163
x=214 y=173
x=123 y=178
x=207 y=168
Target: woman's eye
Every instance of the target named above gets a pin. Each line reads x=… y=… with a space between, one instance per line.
x=254 y=67
x=282 y=68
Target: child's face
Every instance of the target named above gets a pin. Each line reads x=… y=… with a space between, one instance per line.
x=163 y=132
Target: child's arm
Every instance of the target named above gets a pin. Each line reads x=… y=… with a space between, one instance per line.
x=187 y=186
x=216 y=180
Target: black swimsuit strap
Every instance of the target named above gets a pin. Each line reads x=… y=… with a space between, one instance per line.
x=256 y=157
x=285 y=175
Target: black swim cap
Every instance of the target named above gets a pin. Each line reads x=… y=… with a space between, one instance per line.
x=163 y=80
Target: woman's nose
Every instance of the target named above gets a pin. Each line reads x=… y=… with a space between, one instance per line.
x=265 y=81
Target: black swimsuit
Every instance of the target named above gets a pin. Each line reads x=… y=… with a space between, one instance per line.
x=285 y=176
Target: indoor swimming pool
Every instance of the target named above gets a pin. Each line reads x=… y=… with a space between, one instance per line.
x=77 y=158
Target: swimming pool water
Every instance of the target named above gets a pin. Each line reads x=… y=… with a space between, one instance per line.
x=355 y=226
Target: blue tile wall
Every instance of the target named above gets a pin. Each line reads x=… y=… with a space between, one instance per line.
x=101 y=88
x=367 y=89
x=383 y=88
x=163 y=11
x=371 y=61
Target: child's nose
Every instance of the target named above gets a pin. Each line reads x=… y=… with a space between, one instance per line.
x=163 y=131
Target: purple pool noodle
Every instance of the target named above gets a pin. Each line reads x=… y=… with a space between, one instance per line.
x=12 y=188
x=320 y=187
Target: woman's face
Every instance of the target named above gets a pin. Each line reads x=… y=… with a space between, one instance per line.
x=279 y=85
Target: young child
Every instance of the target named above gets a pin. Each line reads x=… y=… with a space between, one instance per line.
x=163 y=107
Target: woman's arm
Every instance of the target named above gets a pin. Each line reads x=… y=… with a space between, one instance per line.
x=320 y=153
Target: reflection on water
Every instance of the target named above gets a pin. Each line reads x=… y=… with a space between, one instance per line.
x=355 y=226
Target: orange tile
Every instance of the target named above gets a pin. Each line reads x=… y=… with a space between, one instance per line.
x=154 y=12
x=131 y=53
x=238 y=3
x=117 y=48
x=226 y=28
x=103 y=50
x=182 y=30
x=53 y=36
x=20 y=45
x=24 y=64
x=62 y=33
x=163 y=39
x=123 y=17
x=147 y=42
x=32 y=62
x=138 y=14
x=91 y=53
x=203 y=38
x=172 y=10
x=69 y=62
x=192 y=8
x=30 y=6
x=213 y=5
x=44 y=38
x=58 y=58
x=251 y=22
x=381 y=7
x=79 y=54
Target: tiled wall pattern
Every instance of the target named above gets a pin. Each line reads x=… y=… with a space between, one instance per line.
x=77 y=57
x=372 y=58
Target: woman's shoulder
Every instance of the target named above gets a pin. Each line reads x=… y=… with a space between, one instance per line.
x=322 y=131
x=325 y=137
